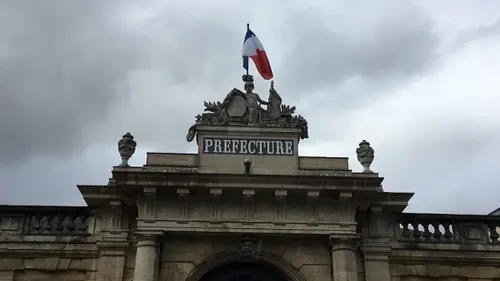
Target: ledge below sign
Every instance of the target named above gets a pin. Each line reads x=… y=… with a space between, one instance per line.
x=248 y=146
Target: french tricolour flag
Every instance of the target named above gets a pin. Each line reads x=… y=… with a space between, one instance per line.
x=252 y=48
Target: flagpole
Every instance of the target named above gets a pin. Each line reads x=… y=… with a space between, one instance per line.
x=248 y=28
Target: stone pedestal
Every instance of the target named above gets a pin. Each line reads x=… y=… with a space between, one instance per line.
x=112 y=253
x=146 y=260
x=343 y=251
x=376 y=259
x=7 y=275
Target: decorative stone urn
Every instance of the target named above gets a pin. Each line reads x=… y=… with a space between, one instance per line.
x=366 y=154
x=126 y=148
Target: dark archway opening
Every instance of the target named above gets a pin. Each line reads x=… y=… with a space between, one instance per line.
x=244 y=271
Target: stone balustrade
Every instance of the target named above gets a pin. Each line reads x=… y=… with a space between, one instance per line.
x=444 y=228
x=44 y=220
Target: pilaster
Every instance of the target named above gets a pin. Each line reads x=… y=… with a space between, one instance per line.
x=115 y=216
x=376 y=247
x=112 y=244
x=112 y=253
x=281 y=198
x=343 y=251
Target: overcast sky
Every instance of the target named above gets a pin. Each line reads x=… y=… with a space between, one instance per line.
x=419 y=81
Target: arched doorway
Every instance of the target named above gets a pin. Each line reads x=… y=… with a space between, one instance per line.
x=244 y=271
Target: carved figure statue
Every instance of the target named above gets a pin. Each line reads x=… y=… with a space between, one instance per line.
x=365 y=154
x=253 y=103
x=244 y=109
x=274 y=106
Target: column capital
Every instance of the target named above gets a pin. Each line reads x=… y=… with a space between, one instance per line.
x=344 y=242
x=145 y=238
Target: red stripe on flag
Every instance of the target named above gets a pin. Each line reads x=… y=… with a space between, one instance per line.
x=262 y=64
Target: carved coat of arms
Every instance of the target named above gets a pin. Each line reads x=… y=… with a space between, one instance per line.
x=245 y=109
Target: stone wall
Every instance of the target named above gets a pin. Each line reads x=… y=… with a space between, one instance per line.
x=445 y=248
x=66 y=243
x=445 y=262
x=47 y=243
x=181 y=256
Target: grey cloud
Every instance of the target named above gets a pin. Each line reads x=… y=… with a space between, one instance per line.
x=58 y=69
x=475 y=34
x=62 y=67
x=391 y=45
x=66 y=67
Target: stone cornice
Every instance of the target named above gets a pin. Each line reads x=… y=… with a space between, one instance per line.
x=132 y=177
x=260 y=227
x=26 y=249
x=13 y=209
x=454 y=255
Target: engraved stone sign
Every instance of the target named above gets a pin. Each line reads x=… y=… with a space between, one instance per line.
x=248 y=146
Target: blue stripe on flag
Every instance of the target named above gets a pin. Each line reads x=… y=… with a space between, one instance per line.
x=245 y=62
x=248 y=35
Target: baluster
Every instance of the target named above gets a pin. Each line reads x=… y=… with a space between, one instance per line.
x=447 y=233
x=35 y=223
x=68 y=224
x=80 y=224
x=427 y=234
x=416 y=232
x=437 y=231
x=494 y=233
x=56 y=223
x=86 y=223
x=45 y=223
x=406 y=232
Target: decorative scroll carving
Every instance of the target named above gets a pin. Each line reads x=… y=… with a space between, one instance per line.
x=244 y=109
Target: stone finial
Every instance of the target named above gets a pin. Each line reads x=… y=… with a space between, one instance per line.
x=365 y=156
x=126 y=148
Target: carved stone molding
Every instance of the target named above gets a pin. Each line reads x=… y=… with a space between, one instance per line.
x=248 y=248
x=149 y=203
x=312 y=203
x=288 y=269
x=344 y=242
x=183 y=195
x=248 y=204
x=236 y=109
x=215 y=204
x=345 y=195
x=375 y=222
x=280 y=204
x=346 y=207
x=115 y=218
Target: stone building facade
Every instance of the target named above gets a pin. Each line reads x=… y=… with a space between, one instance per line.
x=245 y=207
